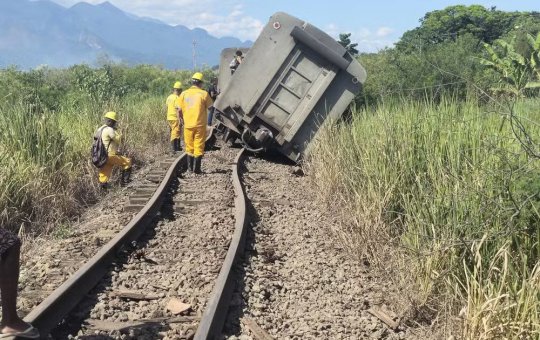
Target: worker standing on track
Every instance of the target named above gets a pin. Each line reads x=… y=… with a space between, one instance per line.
x=111 y=141
x=193 y=104
x=213 y=92
x=172 y=117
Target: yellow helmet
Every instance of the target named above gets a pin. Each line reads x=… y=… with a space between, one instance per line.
x=197 y=76
x=111 y=115
x=177 y=85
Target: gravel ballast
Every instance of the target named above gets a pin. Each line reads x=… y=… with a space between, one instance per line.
x=159 y=290
x=295 y=281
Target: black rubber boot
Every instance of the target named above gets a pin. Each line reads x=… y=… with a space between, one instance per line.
x=104 y=186
x=190 y=163
x=173 y=145
x=178 y=145
x=197 y=164
x=126 y=177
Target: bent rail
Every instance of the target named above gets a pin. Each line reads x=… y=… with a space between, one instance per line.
x=215 y=313
x=56 y=306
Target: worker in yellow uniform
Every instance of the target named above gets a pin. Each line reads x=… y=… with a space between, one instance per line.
x=172 y=117
x=193 y=106
x=111 y=141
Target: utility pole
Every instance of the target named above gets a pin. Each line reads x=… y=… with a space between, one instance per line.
x=194 y=55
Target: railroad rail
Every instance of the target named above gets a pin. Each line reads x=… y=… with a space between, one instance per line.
x=57 y=305
x=50 y=312
x=216 y=310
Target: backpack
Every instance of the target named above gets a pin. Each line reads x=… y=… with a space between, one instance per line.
x=100 y=154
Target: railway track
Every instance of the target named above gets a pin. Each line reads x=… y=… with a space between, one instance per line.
x=178 y=274
x=296 y=281
x=167 y=273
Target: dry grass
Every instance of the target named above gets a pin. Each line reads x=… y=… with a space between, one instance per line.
x=497 y=306
x=443 y=197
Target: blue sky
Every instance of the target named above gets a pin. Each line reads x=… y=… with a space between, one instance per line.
x=374 y=24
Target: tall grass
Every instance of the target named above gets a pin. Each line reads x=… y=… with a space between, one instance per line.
x=46 y=174
x=33 y=152
x=445 y=192
x=45 y=171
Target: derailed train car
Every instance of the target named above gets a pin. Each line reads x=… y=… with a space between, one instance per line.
x=293 y=79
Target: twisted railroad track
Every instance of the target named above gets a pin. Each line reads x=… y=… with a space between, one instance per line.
x=167 y=273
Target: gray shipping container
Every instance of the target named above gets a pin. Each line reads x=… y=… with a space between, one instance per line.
x=292 y=80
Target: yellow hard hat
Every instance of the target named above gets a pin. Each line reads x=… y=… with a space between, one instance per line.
x=177 y=85
x=197 y=76
x=110 y=115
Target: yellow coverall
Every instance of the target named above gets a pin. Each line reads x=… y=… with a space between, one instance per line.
x=172 y=118
x=194 y=104
x=111 y=141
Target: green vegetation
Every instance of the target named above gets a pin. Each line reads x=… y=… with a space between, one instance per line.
x=443 y=190
x=440 y=57
x=48 y=118
x=518 y=72
x=438 y=173
x=345 y=41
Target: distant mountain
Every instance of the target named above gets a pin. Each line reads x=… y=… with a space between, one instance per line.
x=41 y=32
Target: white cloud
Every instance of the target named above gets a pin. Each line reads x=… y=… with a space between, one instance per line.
x=363 y=33
x=219 y=18
x=384 y=31
x=332 y=29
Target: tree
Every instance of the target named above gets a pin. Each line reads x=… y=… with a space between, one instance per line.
x=345 y=41
x=518 y=71
x=486 y=25
x=523 y=25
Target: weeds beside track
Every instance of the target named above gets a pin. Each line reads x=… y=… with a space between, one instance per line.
x=445 y=198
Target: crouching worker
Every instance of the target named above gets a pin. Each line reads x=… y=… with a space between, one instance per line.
x=110 y=141
x=12 y=325
x=193 y=106
x=172 y=117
